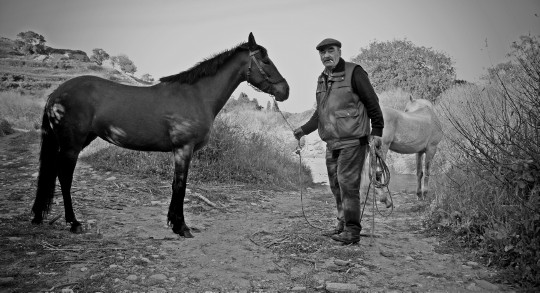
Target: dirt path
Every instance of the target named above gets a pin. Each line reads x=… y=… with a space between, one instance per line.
x=253 y=241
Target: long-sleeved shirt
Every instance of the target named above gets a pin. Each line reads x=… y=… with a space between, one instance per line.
x=362 y=87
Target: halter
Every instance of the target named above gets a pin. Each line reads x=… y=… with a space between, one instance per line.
x=264 y=75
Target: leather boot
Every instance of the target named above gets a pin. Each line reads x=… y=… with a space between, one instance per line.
x=347 y=237
x=339 y=228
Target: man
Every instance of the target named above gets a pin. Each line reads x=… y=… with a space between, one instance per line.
x=346 y=102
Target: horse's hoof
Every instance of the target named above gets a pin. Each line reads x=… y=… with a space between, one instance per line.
x=183 y=231
x=425 y=195
x=76 y=228
x=186 y=234
x=419 y=196
x=37 y=221
x=388 y=203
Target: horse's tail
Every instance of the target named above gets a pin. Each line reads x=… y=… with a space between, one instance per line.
x=47 y=169
x=364 y=178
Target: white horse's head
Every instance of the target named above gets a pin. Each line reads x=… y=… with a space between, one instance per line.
x=415 y=104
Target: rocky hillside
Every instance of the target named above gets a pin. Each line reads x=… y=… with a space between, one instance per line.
x=37 y=72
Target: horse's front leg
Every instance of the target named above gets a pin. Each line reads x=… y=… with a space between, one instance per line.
x=175 y=217
x=381 y=194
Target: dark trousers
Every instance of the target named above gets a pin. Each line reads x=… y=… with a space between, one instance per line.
x=344 y=168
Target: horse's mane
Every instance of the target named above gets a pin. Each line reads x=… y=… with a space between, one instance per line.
x=207 y=67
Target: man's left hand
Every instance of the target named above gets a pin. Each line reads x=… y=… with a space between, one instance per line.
x=298 y=133
x=376 y=141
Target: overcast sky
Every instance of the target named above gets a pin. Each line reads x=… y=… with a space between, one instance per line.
x=166 y=37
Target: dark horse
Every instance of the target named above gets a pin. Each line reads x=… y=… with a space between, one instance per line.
x=175 y=115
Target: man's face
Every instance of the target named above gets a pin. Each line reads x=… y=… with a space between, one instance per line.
x=330 y=56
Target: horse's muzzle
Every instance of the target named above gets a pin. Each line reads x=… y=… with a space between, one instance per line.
x=281 y=91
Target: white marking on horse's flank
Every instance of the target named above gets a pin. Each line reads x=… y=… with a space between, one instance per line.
x=116 y=134
x=117 y=131
x=56 y=113
x=182 y=128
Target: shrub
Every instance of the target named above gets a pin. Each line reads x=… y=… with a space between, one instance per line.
x=5 y=128
x=147 y=77
x=21 y=111
x=491 y=192
x=95 y=67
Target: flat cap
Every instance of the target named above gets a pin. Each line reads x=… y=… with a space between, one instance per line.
x=328 y=42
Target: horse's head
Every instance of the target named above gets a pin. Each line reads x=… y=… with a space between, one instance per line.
x=415 y=104
x=263 y=74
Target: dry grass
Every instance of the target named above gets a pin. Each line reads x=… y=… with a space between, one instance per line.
x=396 y=98
x=21 y=110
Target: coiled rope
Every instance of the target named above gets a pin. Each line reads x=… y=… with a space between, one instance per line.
x=379 y=177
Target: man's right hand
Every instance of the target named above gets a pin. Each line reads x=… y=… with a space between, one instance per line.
x=298 y=133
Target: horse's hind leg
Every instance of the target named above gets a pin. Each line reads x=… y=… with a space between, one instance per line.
x=182 y=159
x=67 y=162
x=71 y=144
x=419 y=174
x=430 y=153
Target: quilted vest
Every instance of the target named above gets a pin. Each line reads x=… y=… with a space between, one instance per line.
x=343 y=117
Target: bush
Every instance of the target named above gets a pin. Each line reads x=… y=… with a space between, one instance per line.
x=5 y=128
x=491 y=192
x=94 y=67
x=147 y=77
x=21 y=111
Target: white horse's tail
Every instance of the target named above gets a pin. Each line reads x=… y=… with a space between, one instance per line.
x=364 y=179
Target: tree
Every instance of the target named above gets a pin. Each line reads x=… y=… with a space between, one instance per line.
x=30 y=43
x=98 y=56
x=400 y=64
x=147 y=77
x=243 y=103
x=243 y=98
x=126 y=65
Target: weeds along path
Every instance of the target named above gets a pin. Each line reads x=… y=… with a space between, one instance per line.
x=253 y=240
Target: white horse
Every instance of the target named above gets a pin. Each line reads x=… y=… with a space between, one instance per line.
x=415 y=131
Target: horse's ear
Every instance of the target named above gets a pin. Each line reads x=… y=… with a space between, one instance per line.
x=251 y=42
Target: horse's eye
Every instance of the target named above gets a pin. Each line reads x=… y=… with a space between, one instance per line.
x=266 y=61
